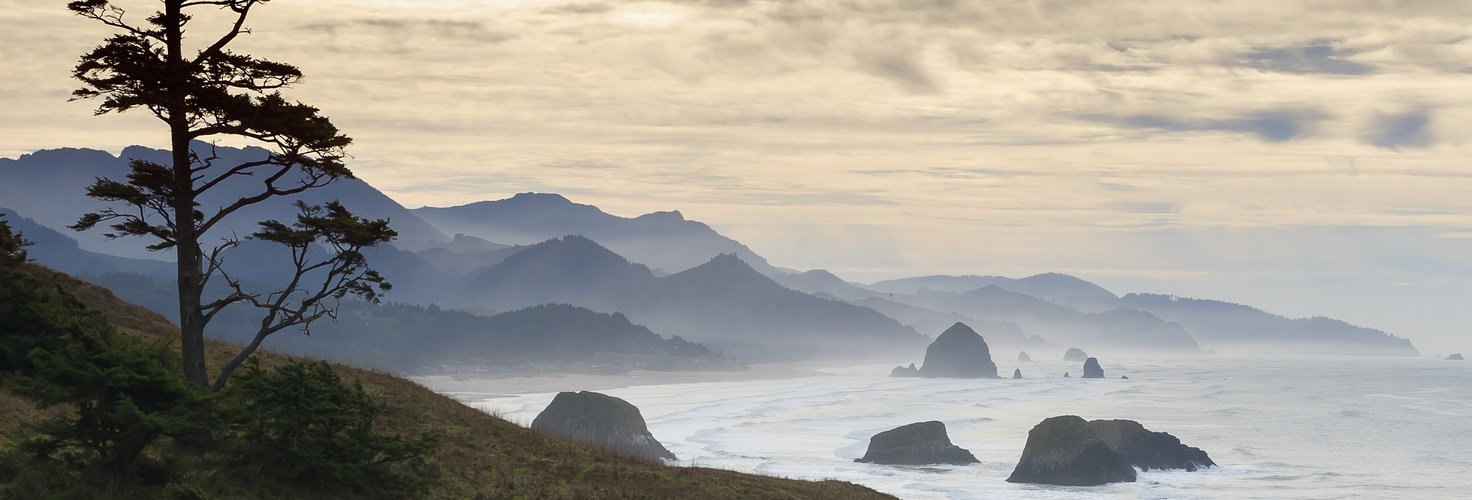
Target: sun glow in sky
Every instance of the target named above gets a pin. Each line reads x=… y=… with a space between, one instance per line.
x=1307 y=157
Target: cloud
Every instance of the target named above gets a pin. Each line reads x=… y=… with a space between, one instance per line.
x=1269 y=125
x=1411 y=129
x=1324 y=59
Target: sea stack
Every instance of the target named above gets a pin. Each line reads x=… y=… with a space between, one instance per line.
x=1146 y=449
x=1022 y=357
x=905 y=371
x=1092 y=369
x=1075 y=354
x=600 y=420
x=959 y=352
x=919 y=443
x=1016 y=374
x=1064 y=451
x=1455 y=357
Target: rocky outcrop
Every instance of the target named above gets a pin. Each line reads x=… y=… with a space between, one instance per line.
x=1075 y=354
x=919 y=443
x=1147 y=450
x=1092 y=369
x=1022 y=357
x=958 y=352
x=1124 y=377
x=1455 y=357
x=1064 y=451
x=600 y=420
x=1016 y=374
x=905 y=371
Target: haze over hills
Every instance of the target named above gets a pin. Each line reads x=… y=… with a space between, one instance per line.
x=723 y=302
x=663 y=240
x=516 y=253
x=1239 y=327
x=1119 y=329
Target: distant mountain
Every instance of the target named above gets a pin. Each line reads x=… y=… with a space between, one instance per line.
x=936 y=283
x=1233 y=326
x=723 y=302
x=52 y=183
x=926 y=321
x=427 y=339
x=1053 y=287
x=664 y=240
x=821 y=281
x=60 y=252
x=571 y=269
x=1062 y=325
x=50 y=186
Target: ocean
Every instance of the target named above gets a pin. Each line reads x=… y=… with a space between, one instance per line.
x=1277 y=426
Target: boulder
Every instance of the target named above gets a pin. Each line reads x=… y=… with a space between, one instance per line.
x=958 y=352
x=602 y=421
x=1092 y=369
x=1147 y=450
x=1022 y=357
x=1016 y=374
x=919 y=443
x=1075 y=354
x=1455 y=357
x=1064 y=451
x=1065 y=374
x=1124 y=377
x=905 y=371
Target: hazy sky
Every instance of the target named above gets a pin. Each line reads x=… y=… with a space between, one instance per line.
x=1304 y=157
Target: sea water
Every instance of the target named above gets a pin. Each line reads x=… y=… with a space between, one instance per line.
x=1278 y=427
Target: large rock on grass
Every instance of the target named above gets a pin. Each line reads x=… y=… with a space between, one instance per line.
x=919 y=443
x=600 y=420
x=1064 y=451
x=1147 y=450
x=959 y=352
x=1092 y=369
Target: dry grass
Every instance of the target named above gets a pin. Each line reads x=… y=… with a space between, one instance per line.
x=480 y=456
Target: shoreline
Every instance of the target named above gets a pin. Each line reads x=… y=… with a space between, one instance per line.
x=468 y=387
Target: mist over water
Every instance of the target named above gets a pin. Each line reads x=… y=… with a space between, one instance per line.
x=1278 y=426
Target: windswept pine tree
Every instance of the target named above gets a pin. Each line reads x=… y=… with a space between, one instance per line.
x=205 y=92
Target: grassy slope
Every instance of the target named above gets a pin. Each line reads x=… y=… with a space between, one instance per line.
x=479 y=456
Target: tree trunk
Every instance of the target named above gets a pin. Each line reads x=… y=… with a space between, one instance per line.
x=191 y=318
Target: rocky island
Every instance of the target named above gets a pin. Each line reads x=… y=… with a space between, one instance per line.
x=920 y=443
x=959 y=352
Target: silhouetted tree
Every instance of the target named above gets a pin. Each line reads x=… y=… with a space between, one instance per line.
x=12 y=245
x=204 y=95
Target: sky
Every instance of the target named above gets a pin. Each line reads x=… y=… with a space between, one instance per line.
x=1305 y=157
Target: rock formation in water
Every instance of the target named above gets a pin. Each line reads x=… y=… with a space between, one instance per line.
x=600 y=420
x=1022 y=357
x=1065 y=374
x=1092 y=369
x=919 y=443
x=1455 y=357
x=905 y=371
x=1075 y=354
x=958 y=352
x=1064 y=451
x=1147 y=450
x=1124 y=377
x=1016 y=374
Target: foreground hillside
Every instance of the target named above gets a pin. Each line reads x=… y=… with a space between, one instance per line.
x=478 y=456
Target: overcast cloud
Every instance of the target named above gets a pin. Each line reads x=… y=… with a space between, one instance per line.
x=1130 y=142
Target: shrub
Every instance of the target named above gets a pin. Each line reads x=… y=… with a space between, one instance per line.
x=302 y=424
